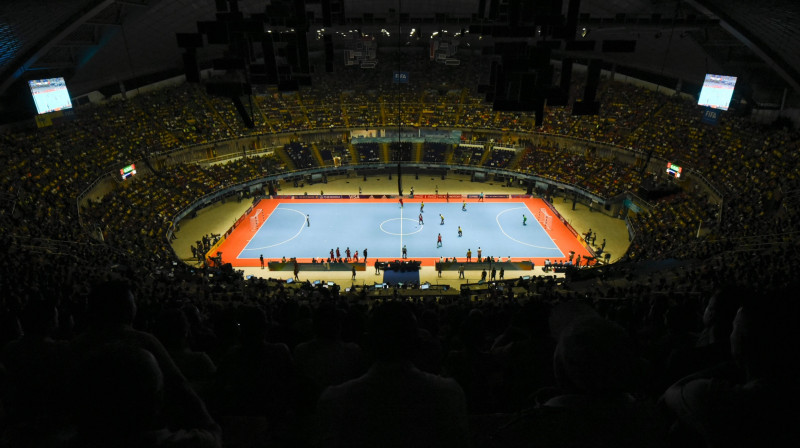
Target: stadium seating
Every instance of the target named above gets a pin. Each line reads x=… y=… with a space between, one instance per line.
x=498 y=349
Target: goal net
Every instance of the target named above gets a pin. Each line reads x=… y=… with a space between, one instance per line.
x=256 y=220
x=545 y=219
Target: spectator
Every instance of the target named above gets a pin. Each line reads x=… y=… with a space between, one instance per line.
x=596 y=371
x=36 y=390
x=119 y=393
x=255 y=377
x=721 y=408
x=473 y=366
x=326 y=359
x=172 y=329
x=111 y=311
x=394 y=404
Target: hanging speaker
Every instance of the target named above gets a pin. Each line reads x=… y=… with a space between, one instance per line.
x=566 y=74
x=326 y=13
x=190 y=67
x=592 y=80
x=571 y=27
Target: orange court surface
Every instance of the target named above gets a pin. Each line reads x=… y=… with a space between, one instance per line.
x=310 y=227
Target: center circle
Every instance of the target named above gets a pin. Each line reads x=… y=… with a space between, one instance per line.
x=391 y=225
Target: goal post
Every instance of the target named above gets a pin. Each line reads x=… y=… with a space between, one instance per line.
x=256 y=220
x=541 y=214
x=545 y=219
x=548 y=222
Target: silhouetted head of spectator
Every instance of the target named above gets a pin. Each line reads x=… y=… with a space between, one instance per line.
x=253 y=324
x=765 y=338
x=112 y=303
x=593 y=356
x=719 y=313
x=39 y=318
x=533 y=317
x=679 y=319
x=327 y=322
x=392 y=332
x=430 y=322
x=192 y=314
x=473 y=330
x=354 y=323
x=119 y=391
x=10 y=327
x=286 y=312
x=565 y=313
x=172 y=328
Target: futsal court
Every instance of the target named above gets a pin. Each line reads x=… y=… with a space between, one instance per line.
x=308 y=228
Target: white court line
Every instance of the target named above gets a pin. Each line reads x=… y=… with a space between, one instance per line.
x=302 y=224
x=401 y=231
x=401 y=227
x=497 y=218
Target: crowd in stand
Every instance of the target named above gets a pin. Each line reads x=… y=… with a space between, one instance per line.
x=465 y=155
x=368 y=152
x=499 y=158
x=257 y=361
x=400 y=151
x=331 y=150
x=107 y=343
x=300 y=154
x=434 y=152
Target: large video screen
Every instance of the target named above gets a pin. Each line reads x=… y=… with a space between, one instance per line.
x=717 y=91
x=50 y=95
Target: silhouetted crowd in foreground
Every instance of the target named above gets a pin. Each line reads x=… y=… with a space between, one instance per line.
x=182 y=361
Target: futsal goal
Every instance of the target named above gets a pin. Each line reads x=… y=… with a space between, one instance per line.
x=256 y=220
x=545 y=219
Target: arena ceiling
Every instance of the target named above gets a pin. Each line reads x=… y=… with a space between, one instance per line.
x=97 y=43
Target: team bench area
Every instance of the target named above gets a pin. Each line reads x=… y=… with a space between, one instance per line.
x=324 y=266
x=478 y=266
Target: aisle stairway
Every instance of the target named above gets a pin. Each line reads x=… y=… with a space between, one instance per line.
x=461 y=104
x=281 y=152
x=448 y=156
x=485 y=156
x=512 y=164
x=385 y=156
x=417 y=157
x=354 y=157
x=317 y=156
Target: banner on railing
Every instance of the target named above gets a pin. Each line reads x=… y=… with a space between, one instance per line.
x=241 y=218
x=311 y=196
x=561 y=218
x=428 y=196
x=628 y=203
x=212 y=252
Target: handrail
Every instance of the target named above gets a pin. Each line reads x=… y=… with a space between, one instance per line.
x=639 y=199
